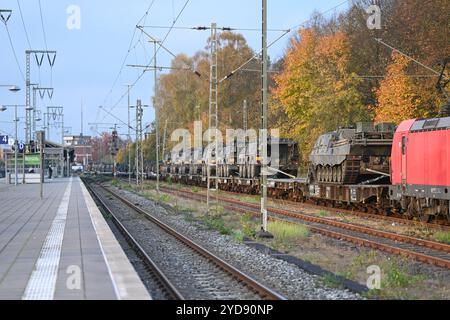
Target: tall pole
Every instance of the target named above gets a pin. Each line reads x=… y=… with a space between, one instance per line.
x=213 y=106
x=39 y=54
x=138 y=141
x=16 y=148
x=245 y=115
x=34 y=113
x=27 y=97
x=164 y=139
x=129 y=136
x=264 y=137
x=62 y=130
x=155 y=102
x=48 y=124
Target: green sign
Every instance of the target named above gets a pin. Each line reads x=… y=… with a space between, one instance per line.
x=32 y=160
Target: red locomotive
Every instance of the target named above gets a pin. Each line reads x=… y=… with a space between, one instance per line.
x=421 y=167
x=420 y=163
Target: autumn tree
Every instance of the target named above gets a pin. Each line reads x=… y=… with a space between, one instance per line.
x=401 y=96
x=317 y=91
x=183 y=96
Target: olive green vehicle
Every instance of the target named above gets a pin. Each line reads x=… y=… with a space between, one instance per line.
x=353 y=155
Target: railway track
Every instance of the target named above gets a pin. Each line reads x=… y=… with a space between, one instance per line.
x=374 y=217
x=188 y=260
x=440 y=225
x=422 y=250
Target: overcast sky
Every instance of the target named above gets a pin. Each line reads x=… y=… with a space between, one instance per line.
x=89 y=59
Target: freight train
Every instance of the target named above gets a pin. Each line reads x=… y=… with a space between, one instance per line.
x=404 y=170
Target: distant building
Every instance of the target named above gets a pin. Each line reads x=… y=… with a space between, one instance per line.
x=3 y=153
x=82 y=146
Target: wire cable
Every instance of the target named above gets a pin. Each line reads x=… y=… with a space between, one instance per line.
x=14 y=53
x=154 y=56
x=23 y=24
x=42 y=25
x=130 y=47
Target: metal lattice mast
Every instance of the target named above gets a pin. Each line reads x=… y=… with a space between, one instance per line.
x=155 y=102
x=34 y=113
x=264 y=136
x=245 y=115
x=139 y=114
x=213 y=102
x=129 y=136
x=28 y=98
x=39 y=54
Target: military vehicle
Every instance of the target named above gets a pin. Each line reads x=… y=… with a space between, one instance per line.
x=353 y=155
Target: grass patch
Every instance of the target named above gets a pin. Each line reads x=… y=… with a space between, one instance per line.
x=331 y=280
x=238 y=235
x=115 y=183
x=249 y=199
x=323 y=214
x=248 y=226
x=195 y=190
x=164 y=198
x=287 y=232
x=442 y=236
x=397 y=277
x=217 y=210
x=216 y=223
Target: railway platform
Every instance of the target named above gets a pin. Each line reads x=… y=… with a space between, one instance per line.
x=61 y=247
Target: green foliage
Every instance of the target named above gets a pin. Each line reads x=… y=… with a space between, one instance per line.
x=248 y=226
x=115 y=183
x=216 y=223
x=238 y=235
x=324 y=214
x=331 y=280
x=442 y=236
x=288 y=232
x=397 y=277
x=165 y=198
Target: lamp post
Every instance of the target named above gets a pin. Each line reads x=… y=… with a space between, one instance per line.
x=12 y=88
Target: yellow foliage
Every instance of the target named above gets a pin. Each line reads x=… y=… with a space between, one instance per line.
x=401 y=96
x=317 y=91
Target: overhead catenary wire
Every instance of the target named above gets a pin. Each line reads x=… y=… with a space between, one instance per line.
x=287 y=31
x=204 y=28
x=173 y=27
x=42 y=25
x=154 y=56
x=130 y=48
x=14 y=52
x=23 y=24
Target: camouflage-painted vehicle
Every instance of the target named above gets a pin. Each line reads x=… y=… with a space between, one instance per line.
x=352 y=155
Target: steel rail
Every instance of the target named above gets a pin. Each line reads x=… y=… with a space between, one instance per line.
x=257 y=287
x=424 y=244
x=171 y=291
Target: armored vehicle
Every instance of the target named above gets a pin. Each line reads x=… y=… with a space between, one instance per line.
x=353 y=155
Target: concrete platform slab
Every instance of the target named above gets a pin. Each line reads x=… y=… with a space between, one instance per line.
x=60 y=248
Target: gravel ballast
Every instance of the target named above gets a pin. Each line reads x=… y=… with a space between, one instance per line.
x=288 y=279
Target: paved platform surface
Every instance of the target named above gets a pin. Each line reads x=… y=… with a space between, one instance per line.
x=60 y=248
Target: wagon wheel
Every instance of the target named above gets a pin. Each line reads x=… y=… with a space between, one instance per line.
x=411 y=211
x=421 y=214
x=339 y=174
